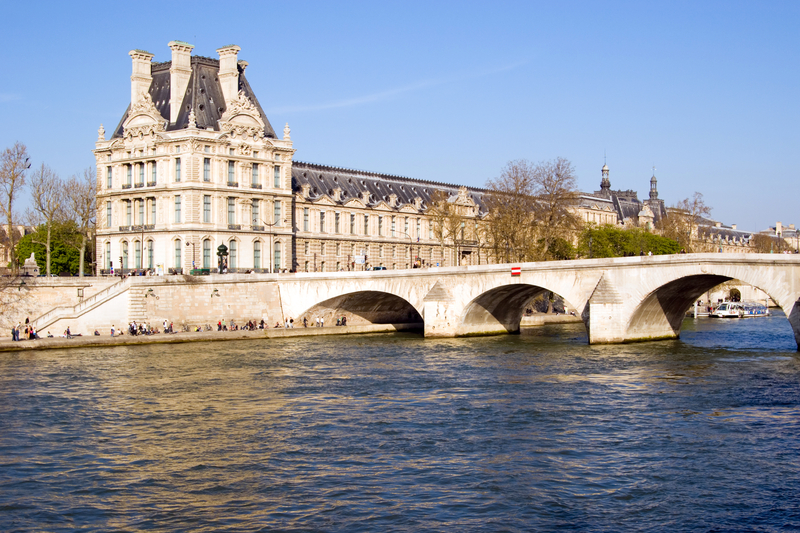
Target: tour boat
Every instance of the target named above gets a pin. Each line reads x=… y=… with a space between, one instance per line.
x=739 y=310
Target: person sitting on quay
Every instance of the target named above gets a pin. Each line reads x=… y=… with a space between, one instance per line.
x=277 y=325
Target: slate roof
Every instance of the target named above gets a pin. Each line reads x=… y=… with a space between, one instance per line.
x=203 y=94
x=323 y=179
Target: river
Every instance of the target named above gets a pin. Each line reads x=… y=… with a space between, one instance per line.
x=383 y=433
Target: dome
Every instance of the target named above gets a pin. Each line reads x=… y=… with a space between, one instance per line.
x=605 y=168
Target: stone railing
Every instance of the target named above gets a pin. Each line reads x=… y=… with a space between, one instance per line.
x=126 y=186
x=151 y=183
x=234 y=226
x=87 y=303
x=258 y=228
x=255 y=185
x=139 y=185
x=233 y=184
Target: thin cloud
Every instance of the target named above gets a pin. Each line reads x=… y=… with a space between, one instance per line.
x=386 y=95
x=5 y=97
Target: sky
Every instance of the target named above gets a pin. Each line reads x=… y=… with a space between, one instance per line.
x=704 y=92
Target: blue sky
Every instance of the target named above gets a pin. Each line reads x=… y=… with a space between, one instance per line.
x=707 y=92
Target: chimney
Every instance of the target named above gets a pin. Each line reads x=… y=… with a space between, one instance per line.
x=733 y=226
x=179 y=74
x=228 y=71
x=141 y=77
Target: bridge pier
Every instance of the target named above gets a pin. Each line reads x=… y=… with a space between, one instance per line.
x=440 y=317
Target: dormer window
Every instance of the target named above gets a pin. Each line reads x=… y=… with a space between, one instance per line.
x=277 y=157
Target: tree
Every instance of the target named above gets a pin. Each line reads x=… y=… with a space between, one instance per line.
x=510 y=228
x=48 y=195
x=531 y=211
x=64 y=255
x=556 y=193
x=611 y=241
x=446 y=219
x=14 y=162
x=683 y=221
x=764 y=244
x=81 y=206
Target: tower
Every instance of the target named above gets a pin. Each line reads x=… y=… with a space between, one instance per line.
x=654 y=187
x=605 y=183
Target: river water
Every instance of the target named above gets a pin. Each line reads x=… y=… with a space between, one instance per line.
x=537 y=431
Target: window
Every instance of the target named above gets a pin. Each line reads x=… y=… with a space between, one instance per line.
x=178 y=209
x=153 y=171
x=232 y=256
x=129 y=173
x=305 y=219
x=141 y=211
x=418 y=230
x=255 y=213
x=277 y=262
x=178 y=251
x=306 y=266
x=231 y=173
x=207 y=253
x=178 y=149
x=255 y=174
x=366 y=224
x=380 y=225
x=207 y=208
x=108 y=256
x=128 y=209
x=305 y=248
x=207 y=149
x=108 y=214
x=322 y=266
x=230 y=151
x=338 y=249
x=141 y=173
x=257 y=254
x=149 y=254
x=137 y=254
x=110 y=177
x=380 y=251
x=277 y=157
x=336 y=222
x=178 y=169
x=153 y=211
x=206 y=168
x=277 y=177
x=124 y=255
x=277 y=207
x=322 y=248
x=352 y=224
x=393 y=225
x=406 y=228
x=322 y=221
x=231 y=210
x=430 y=230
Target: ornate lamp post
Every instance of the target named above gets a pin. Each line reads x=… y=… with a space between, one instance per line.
x=193 y=254
x=270 y=237
x=222 y=253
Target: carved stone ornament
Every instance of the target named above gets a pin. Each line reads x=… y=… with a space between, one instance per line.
x=194 y=145
x=143 y=119
x=244 y=149
x=287 y=132
x=101 y=133
x=242 y=118
x=192 y=119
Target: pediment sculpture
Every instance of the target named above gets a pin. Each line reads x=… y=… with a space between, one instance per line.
x=242 y=118
x=143 y=119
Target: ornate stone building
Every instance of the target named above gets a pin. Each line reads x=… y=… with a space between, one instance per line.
x=194 y=164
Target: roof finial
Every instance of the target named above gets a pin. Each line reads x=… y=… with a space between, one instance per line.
x=286 y=132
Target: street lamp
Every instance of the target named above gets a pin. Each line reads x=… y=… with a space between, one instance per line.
x=410 y=248
x=222 y=253
x=270 y=237
x=193 y=254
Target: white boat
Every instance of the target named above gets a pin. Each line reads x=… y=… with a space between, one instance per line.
x=739 y=310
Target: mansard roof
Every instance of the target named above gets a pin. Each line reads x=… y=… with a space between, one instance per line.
x=203 y=95
x=322 y=180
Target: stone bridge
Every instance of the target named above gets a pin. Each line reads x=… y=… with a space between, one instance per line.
x=620 y=299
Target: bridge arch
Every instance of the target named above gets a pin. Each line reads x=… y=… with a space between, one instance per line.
x=660 y=311
x=500 y=309
x=364 y=307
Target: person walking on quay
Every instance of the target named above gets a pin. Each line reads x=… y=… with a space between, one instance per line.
x=14 y=331
x=112 y=330
x=305 y=322
x=322 y=321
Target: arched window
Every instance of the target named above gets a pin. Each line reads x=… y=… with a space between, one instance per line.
x=137 y=254
x=178 y=253
x=150 y=254
x=232 y=254
x=124 y=255
x=257 y=254
x=206 y=253
x=277 y=262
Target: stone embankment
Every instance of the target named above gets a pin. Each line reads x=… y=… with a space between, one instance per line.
x=58 y=343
